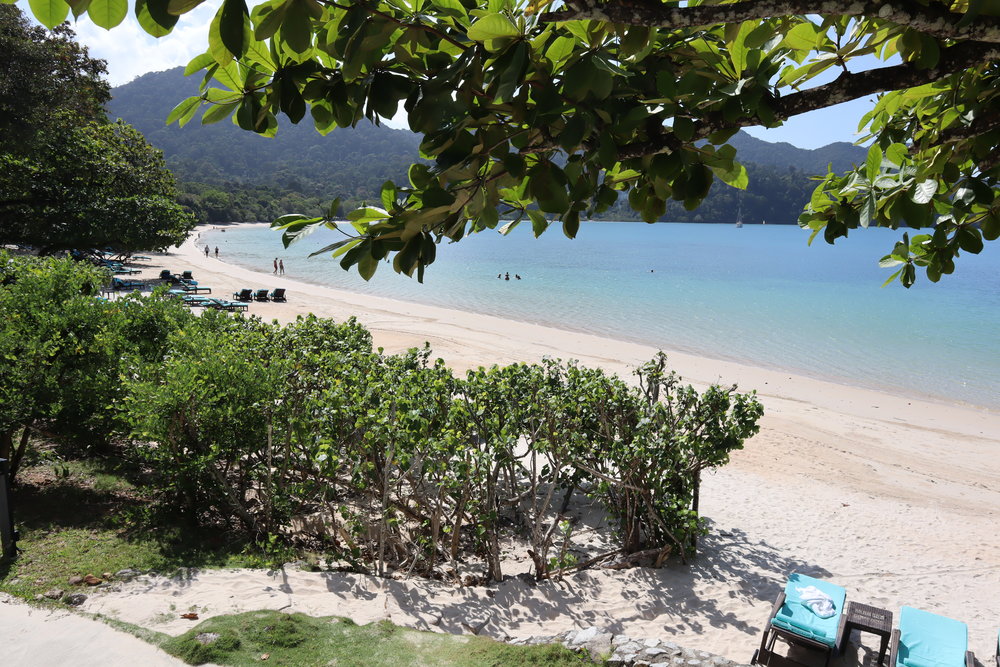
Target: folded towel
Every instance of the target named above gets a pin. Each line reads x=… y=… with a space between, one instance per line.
x=816 y=601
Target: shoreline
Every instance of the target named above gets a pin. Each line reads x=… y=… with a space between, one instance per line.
x=696 y=368
x=707 y=356
x=895 y=498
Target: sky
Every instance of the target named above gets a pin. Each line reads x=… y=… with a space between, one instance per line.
x=130 y=52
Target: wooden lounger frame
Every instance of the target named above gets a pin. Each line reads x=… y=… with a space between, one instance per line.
x=765 y=655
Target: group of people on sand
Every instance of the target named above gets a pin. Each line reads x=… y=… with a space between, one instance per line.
x=207 y=249
x=506 y=276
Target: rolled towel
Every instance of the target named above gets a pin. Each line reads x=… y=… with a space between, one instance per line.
x=816 y=601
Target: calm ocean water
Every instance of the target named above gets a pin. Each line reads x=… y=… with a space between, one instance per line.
x=757 y=294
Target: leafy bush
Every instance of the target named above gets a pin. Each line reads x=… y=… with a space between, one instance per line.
x=303 y=431
x=65 y=350
x=392 y=462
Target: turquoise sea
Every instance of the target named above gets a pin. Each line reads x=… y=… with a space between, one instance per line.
x=758 y=294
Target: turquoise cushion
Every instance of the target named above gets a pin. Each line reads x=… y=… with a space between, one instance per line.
x=796 y=617
x=929 y=640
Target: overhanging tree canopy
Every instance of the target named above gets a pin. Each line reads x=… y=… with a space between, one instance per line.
x=69 y=178
x=571 y=105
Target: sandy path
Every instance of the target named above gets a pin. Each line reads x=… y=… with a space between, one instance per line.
x=44 y=638
x=893 y=497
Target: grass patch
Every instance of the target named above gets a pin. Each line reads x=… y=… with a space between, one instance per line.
x=82 y=517
x=300 y=640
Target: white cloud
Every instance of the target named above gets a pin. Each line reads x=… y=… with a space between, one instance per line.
x=130 y=52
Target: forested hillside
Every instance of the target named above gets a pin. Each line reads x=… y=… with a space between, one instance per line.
x=225 y=173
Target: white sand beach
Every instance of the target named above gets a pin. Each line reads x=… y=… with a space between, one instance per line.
x=896 y=499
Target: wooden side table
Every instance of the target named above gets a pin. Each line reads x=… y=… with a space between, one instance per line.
x=867 y=618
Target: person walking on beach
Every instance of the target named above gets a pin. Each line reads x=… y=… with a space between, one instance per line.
x=206 y=251
x=281 y=267
x=217 y=252
x=275 y=266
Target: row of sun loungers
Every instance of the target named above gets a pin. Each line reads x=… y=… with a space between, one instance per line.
x=185 y=287
x=260 y=295
x=922 y=639
x=212 y=302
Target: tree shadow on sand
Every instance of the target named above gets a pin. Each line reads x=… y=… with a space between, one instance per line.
x=731 y=570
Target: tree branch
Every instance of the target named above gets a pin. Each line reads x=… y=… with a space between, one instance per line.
x=982 y=124
x=844 y=88
x=930 y=20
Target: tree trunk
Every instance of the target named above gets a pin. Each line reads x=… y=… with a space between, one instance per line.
x=6 y=444
x=15 y=462
x=695 y=496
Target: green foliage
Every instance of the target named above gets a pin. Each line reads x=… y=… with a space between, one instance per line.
x=226 y=174
x=573 y=110
x=302 y=431
x=68 y=179
x=42 y=76
x=90 y=186
x=399 y=463
x=65 y=351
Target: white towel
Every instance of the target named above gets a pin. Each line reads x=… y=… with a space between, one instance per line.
x=816 y=601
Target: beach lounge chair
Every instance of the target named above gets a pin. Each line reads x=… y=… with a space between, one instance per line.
x=243 y=295
x=924 y=639
x=222 y=304
x=186 y=275
x=192 y=287
x=119 y=284
x=260 y=295
x=796 y=623
x=166 y=275
x=278 y=294
x=197 y=301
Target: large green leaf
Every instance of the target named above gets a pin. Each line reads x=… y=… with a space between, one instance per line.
x=234 y=26
x=179 y=7
x=154 y=17
x=925 y=191
x=107 y=13
x=873 y=163
x=296 y=27
x=49 y=13
x=184 y=111
x=492 y=26
x=218 y=112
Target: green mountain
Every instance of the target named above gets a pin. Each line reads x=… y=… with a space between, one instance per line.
x=225 y=173
x=840 y=154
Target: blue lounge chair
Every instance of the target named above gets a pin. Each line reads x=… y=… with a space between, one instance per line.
x=924 y=639
x=260 y=295
x=243 y=295
x=278 y=294
x=222 y=304
x=796 y=623
x=119 y=284
x=192 y=287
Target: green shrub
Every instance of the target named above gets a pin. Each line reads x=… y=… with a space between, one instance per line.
x=392 y=460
